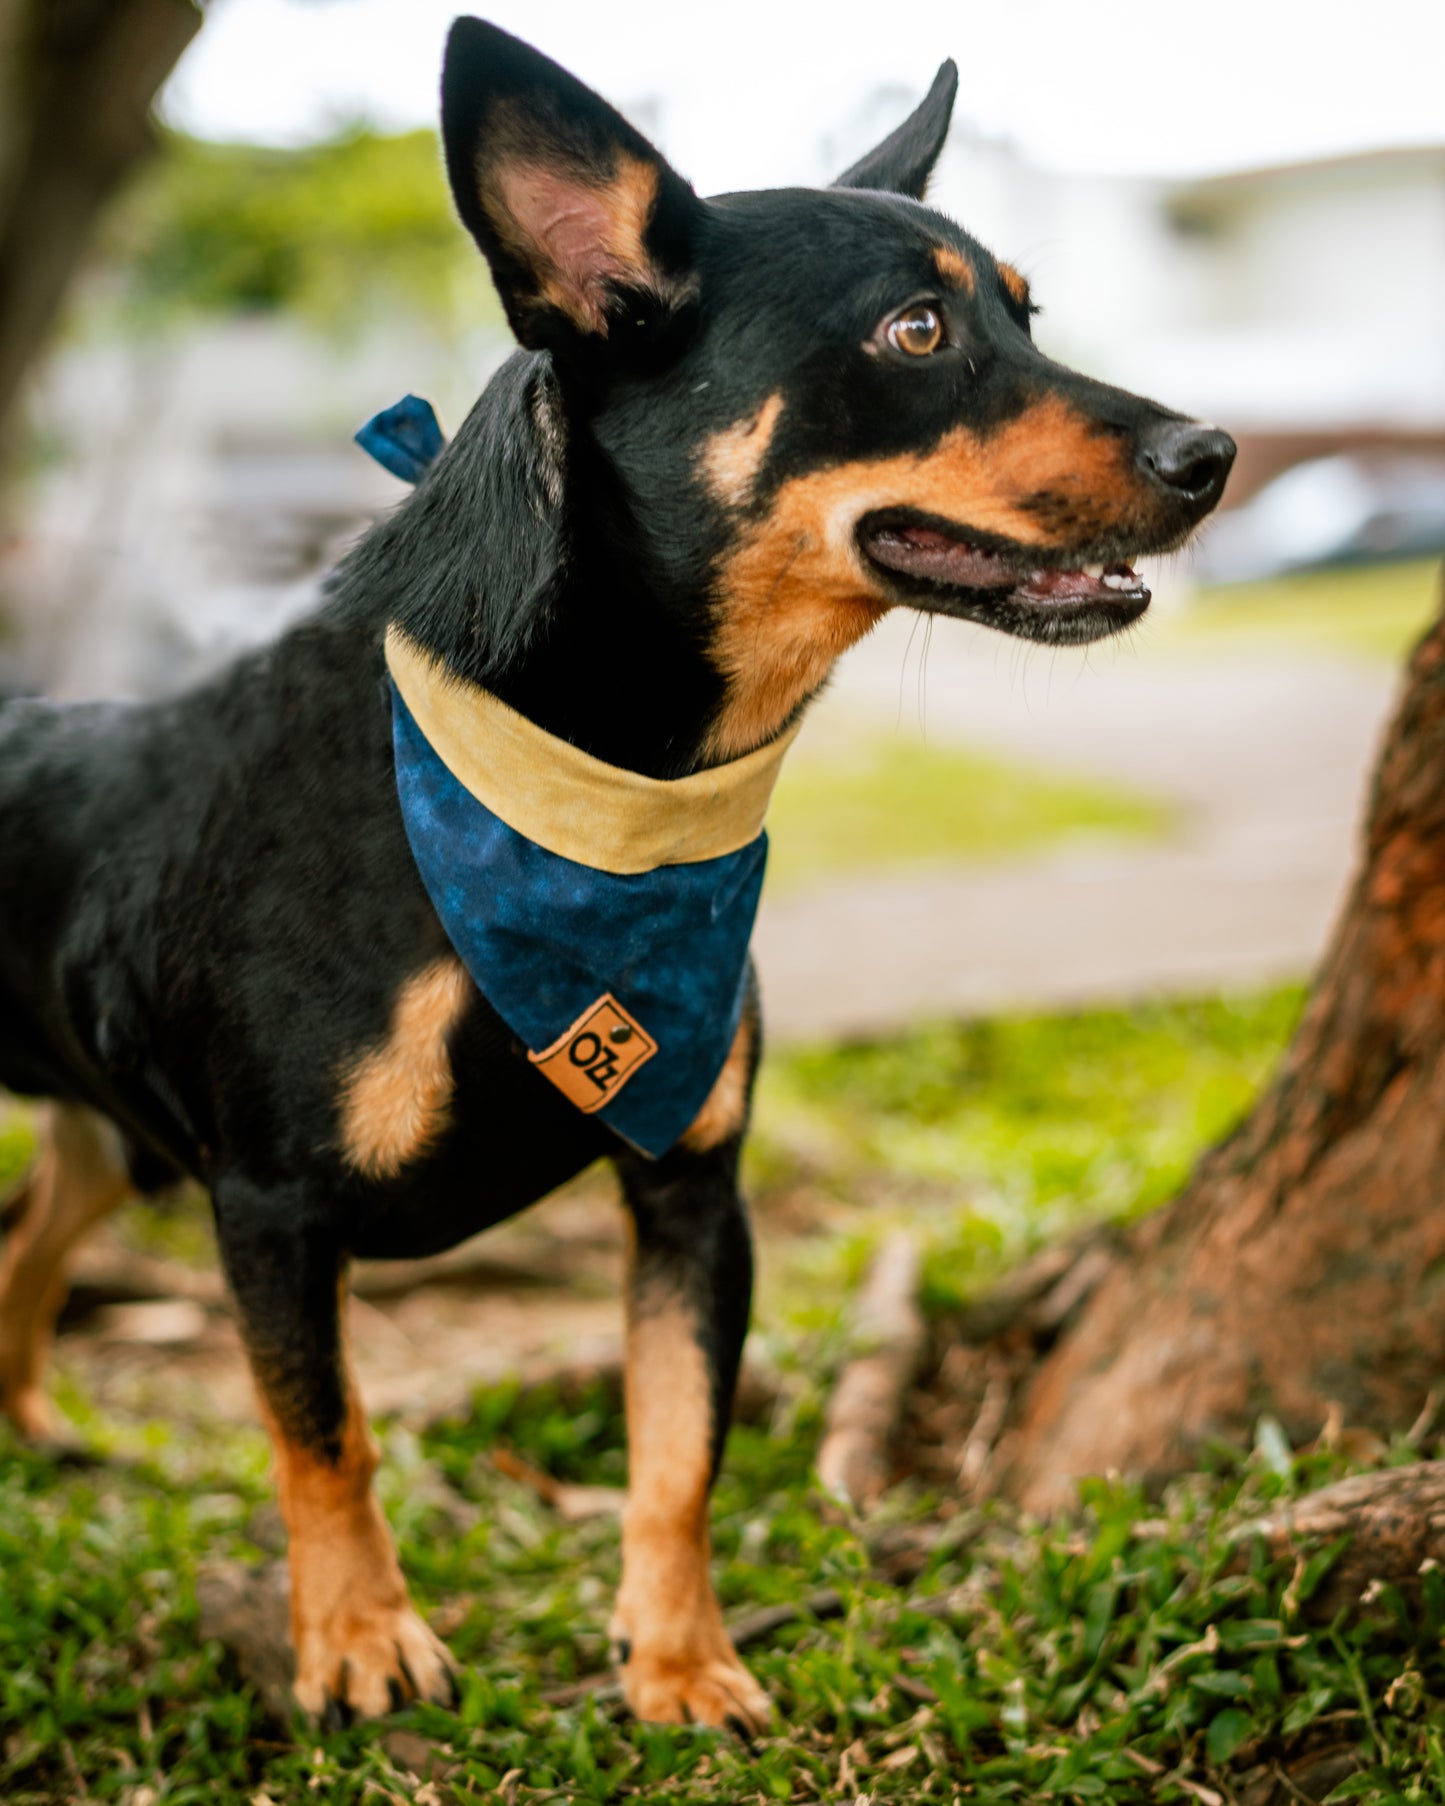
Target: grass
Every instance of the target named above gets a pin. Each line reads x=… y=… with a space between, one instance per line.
x=882 y=803
x=1128 y=1656
x=996 y=1136
x=1372 y=611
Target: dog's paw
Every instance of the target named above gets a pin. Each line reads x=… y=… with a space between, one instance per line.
x=364 y=1664
x=715 y=1691
x=30 y=1411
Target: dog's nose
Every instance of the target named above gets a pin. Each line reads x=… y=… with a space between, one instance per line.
x=1189 y=459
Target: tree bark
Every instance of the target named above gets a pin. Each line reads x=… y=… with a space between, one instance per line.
x=1304 y=1264
x=77 y=79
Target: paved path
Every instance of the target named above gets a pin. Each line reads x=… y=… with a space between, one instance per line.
x=1267 y=760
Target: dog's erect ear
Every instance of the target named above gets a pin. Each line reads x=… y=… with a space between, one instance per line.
x=904 y=161
x=588 y=231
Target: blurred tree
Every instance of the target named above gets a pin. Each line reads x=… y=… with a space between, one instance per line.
x=77 y=79
x=1301 y=1271
x=345 y=231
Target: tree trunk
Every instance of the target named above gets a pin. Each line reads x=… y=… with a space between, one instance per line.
x=1304 y=1264
x=77 y=78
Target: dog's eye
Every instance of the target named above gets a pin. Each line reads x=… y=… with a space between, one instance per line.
x=917 y=330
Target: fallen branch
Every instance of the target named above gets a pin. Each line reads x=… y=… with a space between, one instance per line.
x=105 y=1273
x=469 y=1268
x=569 y=1376
x=767 y=1620
x=574 y=1504
x=863 y=1413
x=978 y=1448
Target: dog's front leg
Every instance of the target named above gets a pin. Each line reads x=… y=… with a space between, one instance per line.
x=360 y=1646
x=689 y=1290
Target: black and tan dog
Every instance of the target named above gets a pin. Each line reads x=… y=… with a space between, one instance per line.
x=739 y=432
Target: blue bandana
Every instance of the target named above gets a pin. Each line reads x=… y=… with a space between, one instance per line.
x=604 y=916
x=627 y=988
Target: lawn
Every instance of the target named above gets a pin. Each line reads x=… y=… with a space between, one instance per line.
x=1374 y=611
x=881 y=802
x=1132 y=1655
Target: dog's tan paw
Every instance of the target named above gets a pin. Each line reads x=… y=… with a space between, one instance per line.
x=29 y=1410
x=364 y=1664
x=719 y=1691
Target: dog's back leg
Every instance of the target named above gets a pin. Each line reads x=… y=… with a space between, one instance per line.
x=360 y=1646
x=80 y=1175
x=689 y=1290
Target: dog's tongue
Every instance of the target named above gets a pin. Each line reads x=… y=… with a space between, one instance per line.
x=926 y=552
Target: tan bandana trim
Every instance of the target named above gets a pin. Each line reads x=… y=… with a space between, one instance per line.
x=562 y=798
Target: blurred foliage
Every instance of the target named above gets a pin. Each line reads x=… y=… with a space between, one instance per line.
x=881 y=802
x=340 y=232
x=990 y=1138
x=1374 y=611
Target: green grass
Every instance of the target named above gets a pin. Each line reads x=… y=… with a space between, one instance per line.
x=1129 y=1656
x=1114 y=1659
x=1374 y=611
x=883 y=802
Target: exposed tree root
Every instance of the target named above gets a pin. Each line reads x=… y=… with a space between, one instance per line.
x=1394 y=1520
x=854 y=1458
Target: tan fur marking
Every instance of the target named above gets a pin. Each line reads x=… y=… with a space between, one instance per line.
x=396 y=1099
x=797 y=593
x=725 y=1111
x=953 y=268
x=79 y=1176
x=681 y=1663
x=352 y=1624
x=1016 y=285
x=731 y=459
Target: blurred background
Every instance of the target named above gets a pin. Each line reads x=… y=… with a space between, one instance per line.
x=1244 y=217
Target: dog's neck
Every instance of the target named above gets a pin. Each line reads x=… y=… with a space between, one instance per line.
x=559 y=797
x=519 y=566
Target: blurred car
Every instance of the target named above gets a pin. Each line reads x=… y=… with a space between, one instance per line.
x=1352 y=508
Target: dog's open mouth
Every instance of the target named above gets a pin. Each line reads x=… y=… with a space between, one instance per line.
x=944 y=570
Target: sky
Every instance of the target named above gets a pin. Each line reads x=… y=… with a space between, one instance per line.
x=753 y=93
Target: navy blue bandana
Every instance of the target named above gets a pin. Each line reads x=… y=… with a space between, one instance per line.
x=626 y=985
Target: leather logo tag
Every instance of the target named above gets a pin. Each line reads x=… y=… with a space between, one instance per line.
x=595 y=1058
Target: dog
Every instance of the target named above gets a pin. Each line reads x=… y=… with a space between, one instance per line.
x=532 y=726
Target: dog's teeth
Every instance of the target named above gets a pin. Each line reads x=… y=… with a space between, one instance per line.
x=1093 y=570
x=1120 y=580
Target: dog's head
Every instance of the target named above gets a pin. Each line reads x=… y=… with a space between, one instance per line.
x=817 y=405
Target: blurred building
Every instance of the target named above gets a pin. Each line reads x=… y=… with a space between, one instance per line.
x=1301 y=306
